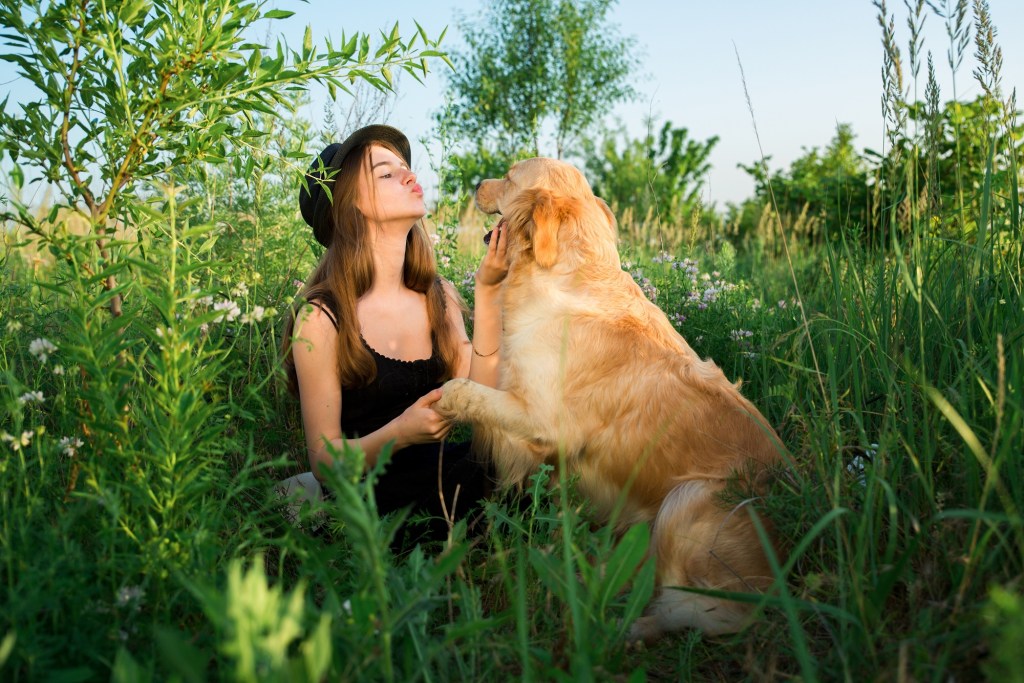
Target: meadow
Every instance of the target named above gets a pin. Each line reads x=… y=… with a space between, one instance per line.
x=146 y=419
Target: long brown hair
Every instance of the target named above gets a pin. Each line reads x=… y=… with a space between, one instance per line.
x=346 y=272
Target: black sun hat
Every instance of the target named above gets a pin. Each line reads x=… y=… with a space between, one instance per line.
x=314 y=201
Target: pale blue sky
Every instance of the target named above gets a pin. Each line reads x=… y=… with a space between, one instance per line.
x=808 y=64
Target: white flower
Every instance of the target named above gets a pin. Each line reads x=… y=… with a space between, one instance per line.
x=257 y=314
x=16 y=443
x=13 y=326
x=129 y=595
x=31 y=397
x=229 y=308
x=240 y=290
x=41 y=349
x=58 y=369
x=70 y=445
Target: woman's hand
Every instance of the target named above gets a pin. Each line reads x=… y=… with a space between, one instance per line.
x=420 y=423
x=494 y=267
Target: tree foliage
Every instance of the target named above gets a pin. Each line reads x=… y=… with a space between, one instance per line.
x=661 y=173
x=949 y=151
x=830 y=184
x=532 y=66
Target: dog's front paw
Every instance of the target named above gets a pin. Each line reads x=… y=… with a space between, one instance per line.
x=454 y=398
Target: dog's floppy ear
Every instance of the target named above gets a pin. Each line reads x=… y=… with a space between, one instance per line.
x=603 y=205
x=548 y=213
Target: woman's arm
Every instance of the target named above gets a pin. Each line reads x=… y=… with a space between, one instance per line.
x=315 y=354
x=481 y=356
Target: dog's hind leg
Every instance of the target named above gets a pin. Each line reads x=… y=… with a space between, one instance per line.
x=699 y=542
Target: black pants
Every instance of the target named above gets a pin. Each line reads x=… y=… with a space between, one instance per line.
x=410 y=480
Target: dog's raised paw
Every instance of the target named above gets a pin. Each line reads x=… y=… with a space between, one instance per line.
x=454 y=398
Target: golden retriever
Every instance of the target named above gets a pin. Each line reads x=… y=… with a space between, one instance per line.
x=590 y=367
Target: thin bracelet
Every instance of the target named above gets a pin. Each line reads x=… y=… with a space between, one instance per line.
x=484 y=355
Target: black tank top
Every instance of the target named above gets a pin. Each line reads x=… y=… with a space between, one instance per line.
x=411 y=475
x=397 y=386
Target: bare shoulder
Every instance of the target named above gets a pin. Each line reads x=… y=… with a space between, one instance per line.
x=315 y=326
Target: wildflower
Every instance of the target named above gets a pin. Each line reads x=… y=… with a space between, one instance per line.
x=41 y=349
x=256 y=315
x=229 y=308
x=687 y=265
x=204 y=301
x=298 y=284
x=58 y=369
x=70 y=445
x=664 y=257
x=240 y=290
x=740 y=335
x=782 y=303
x=160 y=332
x=30 y=397
x=129 y=595
x=13 y=326
x=677 y=319
x=15 y=442
x=649 y=290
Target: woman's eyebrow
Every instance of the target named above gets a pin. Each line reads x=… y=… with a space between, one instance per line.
x=384 y=163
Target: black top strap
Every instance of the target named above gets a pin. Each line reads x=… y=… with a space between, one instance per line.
x=327 y=311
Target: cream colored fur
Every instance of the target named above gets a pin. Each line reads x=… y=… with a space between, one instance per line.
x=591 y=367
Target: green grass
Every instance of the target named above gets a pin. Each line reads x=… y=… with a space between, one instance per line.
x=157 y=549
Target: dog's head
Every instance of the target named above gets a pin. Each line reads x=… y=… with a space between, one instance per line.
x=550 y=214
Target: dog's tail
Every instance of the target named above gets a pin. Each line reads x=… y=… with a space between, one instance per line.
x=700 y=541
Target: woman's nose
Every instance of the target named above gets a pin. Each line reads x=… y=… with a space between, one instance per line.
x=410 y=176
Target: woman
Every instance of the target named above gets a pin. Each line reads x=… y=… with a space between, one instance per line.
x=379 y=331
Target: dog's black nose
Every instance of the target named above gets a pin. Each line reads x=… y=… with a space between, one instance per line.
x=487 y=236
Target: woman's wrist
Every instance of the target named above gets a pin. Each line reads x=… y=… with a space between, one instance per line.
x=394 y=433
x=479 y=286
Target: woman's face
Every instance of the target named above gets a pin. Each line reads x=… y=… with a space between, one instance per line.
x=388 y=191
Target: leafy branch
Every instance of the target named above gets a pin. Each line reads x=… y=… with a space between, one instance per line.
x=125 y=92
